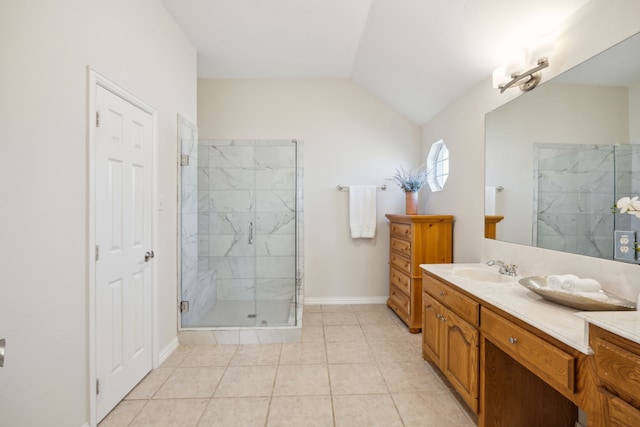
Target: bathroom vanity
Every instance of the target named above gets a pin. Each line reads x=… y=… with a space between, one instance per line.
x=415 y=240
x=518 y=360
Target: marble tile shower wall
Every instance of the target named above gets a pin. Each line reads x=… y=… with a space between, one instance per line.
x=573 y=195
x=197 y=285
x=244 y=185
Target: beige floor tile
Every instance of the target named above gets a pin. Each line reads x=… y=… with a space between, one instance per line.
x=312 y=319
x=150 y=384
x=302 y=380
x=339 y=318
x=335 y=308
x=430 y=408
x=174 y=360
x=123 y=413
x=349 y=352
x=256 y=354
x=312 y=308
x=343 y=333
x=375 y=410
x=170 y=413
x=410 y=377
x=303 y=353
x=313 y=333
x=190 y=383
x=236 y=411
x=394 y=351
x=247 y=381
x=307 y=411
x=358 y=378
x=209 y=355
x=374 y=318
x=370 y=307
x=383 y=332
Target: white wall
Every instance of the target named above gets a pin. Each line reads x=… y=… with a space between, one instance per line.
x=45 y=48
x=349 y=138
x=600 y=24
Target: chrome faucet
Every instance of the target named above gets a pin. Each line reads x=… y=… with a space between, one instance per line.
x=507 y=269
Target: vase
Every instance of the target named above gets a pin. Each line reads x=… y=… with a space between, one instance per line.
x=412 y=203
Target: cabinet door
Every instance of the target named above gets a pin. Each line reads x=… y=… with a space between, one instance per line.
x=432 y=328
x=461 y=357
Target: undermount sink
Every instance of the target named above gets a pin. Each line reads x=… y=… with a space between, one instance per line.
x=482 y=275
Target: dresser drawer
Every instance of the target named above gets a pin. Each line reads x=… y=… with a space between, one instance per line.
x=462 y=305
x=621 y=414
x=617 y=367
x=399 y=302
x=401 y=263
x=401 y=281
x=401 y=230
x=550 y=363
x=401 y=246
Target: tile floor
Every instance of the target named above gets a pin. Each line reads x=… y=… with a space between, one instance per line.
x=357 y=365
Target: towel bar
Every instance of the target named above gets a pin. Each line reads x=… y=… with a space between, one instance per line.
x=346 y=187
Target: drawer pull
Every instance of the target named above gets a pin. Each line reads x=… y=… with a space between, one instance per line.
x=442 y=293
x=513 y=340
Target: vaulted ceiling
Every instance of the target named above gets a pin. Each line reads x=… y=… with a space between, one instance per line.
x=418 y=56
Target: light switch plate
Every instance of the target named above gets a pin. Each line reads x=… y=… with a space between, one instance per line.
x=625 y=245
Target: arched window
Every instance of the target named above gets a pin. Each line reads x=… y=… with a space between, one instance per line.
x=438 y=164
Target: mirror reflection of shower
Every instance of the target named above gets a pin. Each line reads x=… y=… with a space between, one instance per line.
x=575 y=188
x=242 y=249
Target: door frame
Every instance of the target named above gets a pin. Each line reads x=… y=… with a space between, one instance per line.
x=95 y=79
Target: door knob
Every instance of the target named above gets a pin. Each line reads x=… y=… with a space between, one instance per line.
x=148 y=255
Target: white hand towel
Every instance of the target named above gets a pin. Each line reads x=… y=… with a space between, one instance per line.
x=581 y=285
x=555 y=281
x=362 y=211
x=598 y=296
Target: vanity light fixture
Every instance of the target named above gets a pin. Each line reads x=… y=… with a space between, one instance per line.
x=528 y=79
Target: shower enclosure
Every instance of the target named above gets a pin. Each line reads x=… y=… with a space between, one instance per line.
x=241 y=234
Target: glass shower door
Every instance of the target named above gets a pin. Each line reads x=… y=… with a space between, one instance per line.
x=247 y=235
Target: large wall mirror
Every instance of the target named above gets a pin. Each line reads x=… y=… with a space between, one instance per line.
x=557 y=158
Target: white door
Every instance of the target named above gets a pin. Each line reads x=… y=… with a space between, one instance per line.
x=123 y=178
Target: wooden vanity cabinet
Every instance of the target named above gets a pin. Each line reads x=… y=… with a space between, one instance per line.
x=415 y=240
x=617 y=365
x=450 y=336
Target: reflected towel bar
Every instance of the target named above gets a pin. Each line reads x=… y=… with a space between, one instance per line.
x=346 y=187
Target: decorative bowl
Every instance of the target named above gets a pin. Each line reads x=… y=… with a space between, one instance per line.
x=538 y=285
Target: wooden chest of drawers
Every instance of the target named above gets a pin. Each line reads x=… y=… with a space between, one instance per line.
x=415 y=240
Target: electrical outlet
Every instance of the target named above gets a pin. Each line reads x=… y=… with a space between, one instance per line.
x=625 y=245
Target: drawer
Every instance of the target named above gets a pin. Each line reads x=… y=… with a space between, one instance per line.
x=617 y=366
x=401 y=230
x=400 y=301
x=401 y=281
x=401 y=263
x=545 y=360
x=401 y=246
x=460 y=304
x=621 y=414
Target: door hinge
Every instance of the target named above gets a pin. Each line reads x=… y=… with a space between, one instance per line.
x=184 y=160
x=97 y=252
x=97 y=119
x=184 y=306
x=97 y=386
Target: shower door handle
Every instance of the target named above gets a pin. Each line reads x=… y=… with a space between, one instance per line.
x=250 y=233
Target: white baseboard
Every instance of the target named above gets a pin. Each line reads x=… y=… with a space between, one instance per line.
x=348 y=300
x=85 y=425
x=166 y=352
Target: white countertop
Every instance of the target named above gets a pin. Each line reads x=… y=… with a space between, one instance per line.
x=623 y=323
x=563 y=323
